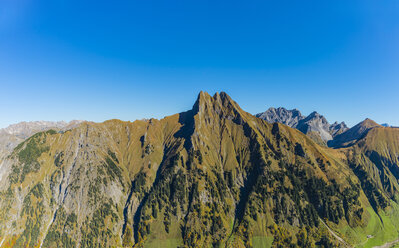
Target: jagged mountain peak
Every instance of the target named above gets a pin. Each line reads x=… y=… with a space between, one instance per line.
x=315 y=124
x=214 y=175
x=314 y=114
x=220 y=103
x=219 y=97
x=338 y=128
x=282 y=115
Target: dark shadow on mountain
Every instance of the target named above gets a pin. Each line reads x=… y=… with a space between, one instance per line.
x=186 y=119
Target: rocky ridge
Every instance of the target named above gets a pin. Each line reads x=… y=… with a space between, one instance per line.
x=214 y=175
x=315 y=125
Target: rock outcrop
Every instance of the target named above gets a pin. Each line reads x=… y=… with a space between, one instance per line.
x=214 y=175
x=314 y=125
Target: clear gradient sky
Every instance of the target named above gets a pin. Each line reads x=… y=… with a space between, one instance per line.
x=97 y=60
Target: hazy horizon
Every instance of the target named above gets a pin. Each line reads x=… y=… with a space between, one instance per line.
x=160 y=117
x=303 y=113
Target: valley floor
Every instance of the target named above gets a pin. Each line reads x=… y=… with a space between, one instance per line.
x=389 y=244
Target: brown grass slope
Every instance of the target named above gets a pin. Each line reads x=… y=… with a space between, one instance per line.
x=350 y=136
x=212 y=176
x=376 y=156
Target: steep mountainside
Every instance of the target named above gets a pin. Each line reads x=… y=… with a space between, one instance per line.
x=14 y=134
x=214 y=176
x=315 y=125
x=350 y=136
x=337 y=128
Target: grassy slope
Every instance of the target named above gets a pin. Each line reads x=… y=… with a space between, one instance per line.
x=386 y=232
x=262 y=242
x=221 y=142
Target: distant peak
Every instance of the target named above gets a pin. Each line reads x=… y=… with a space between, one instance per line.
x=283 y=109
x=314 y=113
x=369 y=123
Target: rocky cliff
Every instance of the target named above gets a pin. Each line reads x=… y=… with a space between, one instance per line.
x=214 y=176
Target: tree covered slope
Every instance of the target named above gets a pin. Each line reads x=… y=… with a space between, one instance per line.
x=214 y=176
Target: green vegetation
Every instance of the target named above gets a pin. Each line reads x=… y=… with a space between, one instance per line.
x=59 y=159
x=95 y=231
x=58 y=233
x=33 y=210
x=219 y=177
x=113 y=171
x=28 y=152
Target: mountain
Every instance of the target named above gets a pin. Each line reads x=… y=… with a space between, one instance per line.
x=14 y=134
x=315 y=125
x=214 y=176
x=337 y=128
x=24 y=130
x=353 y=134
x=388 y=125
x=290 y=118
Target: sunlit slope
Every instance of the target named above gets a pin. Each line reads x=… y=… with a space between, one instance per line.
x=352 y=135
x=212 y=176
x=376 y=156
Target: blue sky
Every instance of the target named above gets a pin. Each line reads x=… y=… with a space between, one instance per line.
x=97 y=60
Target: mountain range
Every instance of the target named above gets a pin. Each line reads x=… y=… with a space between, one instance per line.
x=315 y=125
x=213 y=176
x=14 y=134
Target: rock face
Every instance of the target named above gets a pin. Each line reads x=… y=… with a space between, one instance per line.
x=212 y=176
x=337 y=128
x=315 y=125
x=290 y=118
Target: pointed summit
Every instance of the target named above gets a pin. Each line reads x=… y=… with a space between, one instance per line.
x=220 y=104
x=211 y=176
x=338 y=128
x=368 y=123
x=313 y=114
x=282 y=115
x=353 y=134
x=202 y=99
x=315 y=124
